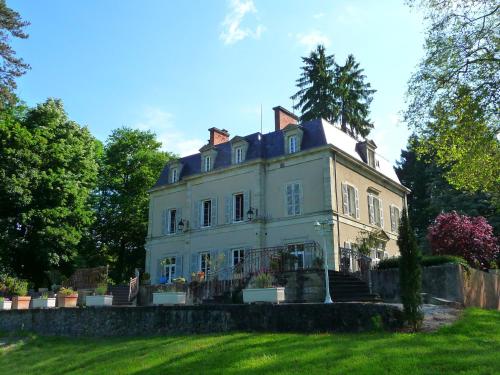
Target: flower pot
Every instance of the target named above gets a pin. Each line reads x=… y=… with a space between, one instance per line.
x=21 y=302
x=67 y=300
x=106 y=300
x=271 y=295
x=169 y=298
x=5 y=305
x=43 y=303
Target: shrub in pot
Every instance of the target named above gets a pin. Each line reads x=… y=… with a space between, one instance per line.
x=262 y=290
x=100 y=298
x=5 y=303
x=44 y=302
x=19 y=290
x=67 y=297
x=171 y=294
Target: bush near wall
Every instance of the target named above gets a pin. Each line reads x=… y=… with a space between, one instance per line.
x=431 y=260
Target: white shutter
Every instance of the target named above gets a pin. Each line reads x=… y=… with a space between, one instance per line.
x=296 y=199
x=356 y=199
x=393 y=221
x=381 y=214
x=300 y=207
x=214 y=212
x=289 y=199
x=345 y=197
x=371 y=210
x=227 y=209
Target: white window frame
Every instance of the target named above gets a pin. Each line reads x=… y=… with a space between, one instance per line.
x=172 y=269
x=174 y=176
x=204 y=257
x=293 y=201
x=207 y=163
x=202 y=213
x=235 y=219
x=292 y=144
x=238 y=155
x=169 y=221
x=372 y=215
x=297 y=249
x=371 y=158
x=238 y=256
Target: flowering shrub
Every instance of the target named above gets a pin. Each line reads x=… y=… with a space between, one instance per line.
x=469 y=237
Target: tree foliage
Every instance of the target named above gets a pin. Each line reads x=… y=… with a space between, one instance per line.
x=453 y=98
x=410 y=272
x=431 y=194
x=11 y=67
x=131 y=164
x=337 y=93
x=48 y=169
x=469 y=237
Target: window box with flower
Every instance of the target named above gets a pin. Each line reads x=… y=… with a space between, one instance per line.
x=100 y=298
x=67 y=297
x=171 y=294
x=5 y=303
x=262 y=290
x=43 y=302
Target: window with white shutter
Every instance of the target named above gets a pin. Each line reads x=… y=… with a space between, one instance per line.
x=293 y=199
x=376 y=215
x=350 y=200
x=206 y=213
x=395 y=216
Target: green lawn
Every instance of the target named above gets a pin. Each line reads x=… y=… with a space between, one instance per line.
x=470 y=346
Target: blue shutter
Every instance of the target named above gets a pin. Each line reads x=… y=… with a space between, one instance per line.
x=196 y=214
x=228 y=209
x=178 y=266
x=164 y=222
x=214 y=212
x=178 y=218
x=194 y=262
x=246 y=203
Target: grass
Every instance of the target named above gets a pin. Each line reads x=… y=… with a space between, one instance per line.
x=470 y=346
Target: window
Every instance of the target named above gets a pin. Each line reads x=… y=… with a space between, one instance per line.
x=238 y=202
x=174 y=177
x=376 y=215
x=238 y=256
x=206 y=217
x=172 y=220
x=351 y=202
x=168 y=271
x=238 y=155
x=292 y=144
x=371 y=158
x=298 y=251
x=205 y=263
x=293 y=199
x=207 y=163
x=395 y=216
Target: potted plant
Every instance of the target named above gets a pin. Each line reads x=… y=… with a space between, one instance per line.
x=171 y=294
x=5 y=303
x=67 y=297
x=19 y=289
x=100 y=298
x=44 y=302
x=262 y=290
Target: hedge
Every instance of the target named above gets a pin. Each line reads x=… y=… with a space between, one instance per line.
x=429 y=260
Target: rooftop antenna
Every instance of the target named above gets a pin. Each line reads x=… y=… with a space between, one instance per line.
x=260 y=118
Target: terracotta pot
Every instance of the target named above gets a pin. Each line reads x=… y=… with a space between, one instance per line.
x=21 y=302
x=67 y=301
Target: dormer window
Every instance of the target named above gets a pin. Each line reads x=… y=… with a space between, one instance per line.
x=238 y=155
x=371 y=158
x=207 y=163
x=174 y=176
x=292 y=144
x=239 y=148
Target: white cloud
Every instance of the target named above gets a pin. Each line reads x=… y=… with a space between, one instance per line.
x=233 y=31
x=172 y=139
x=350 y=15
x=311 y=39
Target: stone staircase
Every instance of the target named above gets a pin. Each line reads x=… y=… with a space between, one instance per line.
x=120 y=295
x=348 y=288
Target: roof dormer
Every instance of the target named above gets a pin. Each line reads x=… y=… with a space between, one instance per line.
x=239 y=147
x=208 y=155
x=292 y=136
x=366 y=150
x=174 y=171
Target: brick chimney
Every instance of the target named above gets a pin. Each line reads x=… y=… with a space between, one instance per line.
x=283 y=117
x=218 y=136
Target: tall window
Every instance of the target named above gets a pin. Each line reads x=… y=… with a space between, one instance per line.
x=238 y=205
x=238 y=256
x=238 y=155
x=205 y=262
x=174 y=177
x=168 y=270
x=351 y=203
x=292 y=144
x=395 y=217
x=207 y=163
x=375 y=209
x=206 y=219
x=298 y=251
x=371 y=158
x=172 y=220
x=293 y=199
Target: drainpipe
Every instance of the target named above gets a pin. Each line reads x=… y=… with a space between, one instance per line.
x=337 y=203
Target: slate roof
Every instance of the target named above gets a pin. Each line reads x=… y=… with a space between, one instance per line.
x=316 y=133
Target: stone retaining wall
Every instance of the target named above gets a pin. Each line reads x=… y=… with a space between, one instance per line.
x=151 y=320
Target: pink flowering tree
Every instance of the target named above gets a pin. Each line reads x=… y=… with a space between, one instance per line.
x=471 y=238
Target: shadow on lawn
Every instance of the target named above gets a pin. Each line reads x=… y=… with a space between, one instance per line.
x=471 y=345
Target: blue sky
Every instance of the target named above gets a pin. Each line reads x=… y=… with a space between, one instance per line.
x=181 y=67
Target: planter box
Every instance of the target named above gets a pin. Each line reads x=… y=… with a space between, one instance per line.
x=67 y=301
x=169 y=298
x=106 y=300
x=272 y=295
x=21 y=303
x=43 y=303
x=5 y=305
